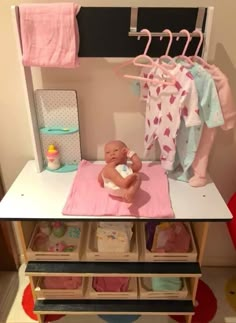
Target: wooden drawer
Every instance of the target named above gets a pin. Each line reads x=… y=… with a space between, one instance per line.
x=43 y=293
x=43 y=255
x=149 y=256
x=93 y=255
x=146 y=292
x=131 y=293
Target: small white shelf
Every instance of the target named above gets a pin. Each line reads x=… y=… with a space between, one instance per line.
x=43 y=195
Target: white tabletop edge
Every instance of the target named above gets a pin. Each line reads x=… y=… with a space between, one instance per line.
x=43 y=195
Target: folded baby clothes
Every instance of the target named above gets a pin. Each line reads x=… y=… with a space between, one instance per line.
x=49 y=34
x=166 y=283
x=62 y=282
x=111 y=284
x=171 y=237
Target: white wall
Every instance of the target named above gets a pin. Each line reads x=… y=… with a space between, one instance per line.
x=108 y=109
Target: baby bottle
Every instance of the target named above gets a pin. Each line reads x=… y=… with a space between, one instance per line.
x=53 y=160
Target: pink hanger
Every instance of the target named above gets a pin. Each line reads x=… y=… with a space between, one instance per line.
x=150 y=64
x=166 y=56
x=197 y=58
x=183 y=56
x=144 y=55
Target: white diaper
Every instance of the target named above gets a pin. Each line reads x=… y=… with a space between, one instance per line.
x=112 y=188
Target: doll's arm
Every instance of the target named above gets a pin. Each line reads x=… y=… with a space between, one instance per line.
x=112 y=174
x=100 y=179
x=136 y=162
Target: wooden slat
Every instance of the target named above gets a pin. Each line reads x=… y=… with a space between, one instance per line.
x=114 y=306
x=189 y=269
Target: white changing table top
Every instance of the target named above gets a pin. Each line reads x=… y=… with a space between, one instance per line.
x=43 y=195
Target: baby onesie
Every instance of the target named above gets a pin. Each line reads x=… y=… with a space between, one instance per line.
x=210 y=114
x=200 y=162
x=166 y=105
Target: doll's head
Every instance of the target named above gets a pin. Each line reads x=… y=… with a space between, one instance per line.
x=115 y=151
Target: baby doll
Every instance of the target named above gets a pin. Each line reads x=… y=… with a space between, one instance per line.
x=118 y=177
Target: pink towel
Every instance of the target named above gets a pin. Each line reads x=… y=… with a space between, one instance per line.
x=88 y=198
x=49 y=34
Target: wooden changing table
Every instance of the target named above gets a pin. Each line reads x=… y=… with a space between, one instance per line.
x=41 y=196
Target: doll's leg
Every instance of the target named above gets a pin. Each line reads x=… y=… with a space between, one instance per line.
x=130 y=192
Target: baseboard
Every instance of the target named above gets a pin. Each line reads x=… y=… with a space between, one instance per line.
x=219 y=262
x=230 y=319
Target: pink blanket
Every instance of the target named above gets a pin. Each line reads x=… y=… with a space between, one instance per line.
x=49 y=34
x=88 y=198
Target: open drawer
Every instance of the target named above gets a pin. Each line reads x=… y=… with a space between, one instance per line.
x=52 y=248
x=92 y=253
x=149 y=256
x=146 y=292
x=131 y=293
x=42 y=292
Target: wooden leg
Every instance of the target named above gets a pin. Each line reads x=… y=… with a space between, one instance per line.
x=188 y=318
x=193 y=287
x=200 y=230
x=41 y=318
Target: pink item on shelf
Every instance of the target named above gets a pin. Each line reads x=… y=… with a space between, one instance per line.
x=58 y=247
x=151 y=201
x=49 y=34
x=111 y=284
x=62 y=282
x=176 y=238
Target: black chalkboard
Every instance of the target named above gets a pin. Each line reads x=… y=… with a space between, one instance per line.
x=104 y=31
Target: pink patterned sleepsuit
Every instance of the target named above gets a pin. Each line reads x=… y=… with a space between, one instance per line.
x=166 y=105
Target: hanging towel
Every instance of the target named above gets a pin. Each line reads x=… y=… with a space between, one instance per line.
x=49 y=34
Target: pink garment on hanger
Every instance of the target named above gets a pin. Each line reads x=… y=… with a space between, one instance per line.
x=49 y=34
x=228 y=107
x=111 y=284
x=62 y=282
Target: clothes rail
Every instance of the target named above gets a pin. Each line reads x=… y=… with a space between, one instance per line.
x=134 y=20
x=162 y=34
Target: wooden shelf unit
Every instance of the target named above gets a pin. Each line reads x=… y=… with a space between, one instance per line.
x=188 y=270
